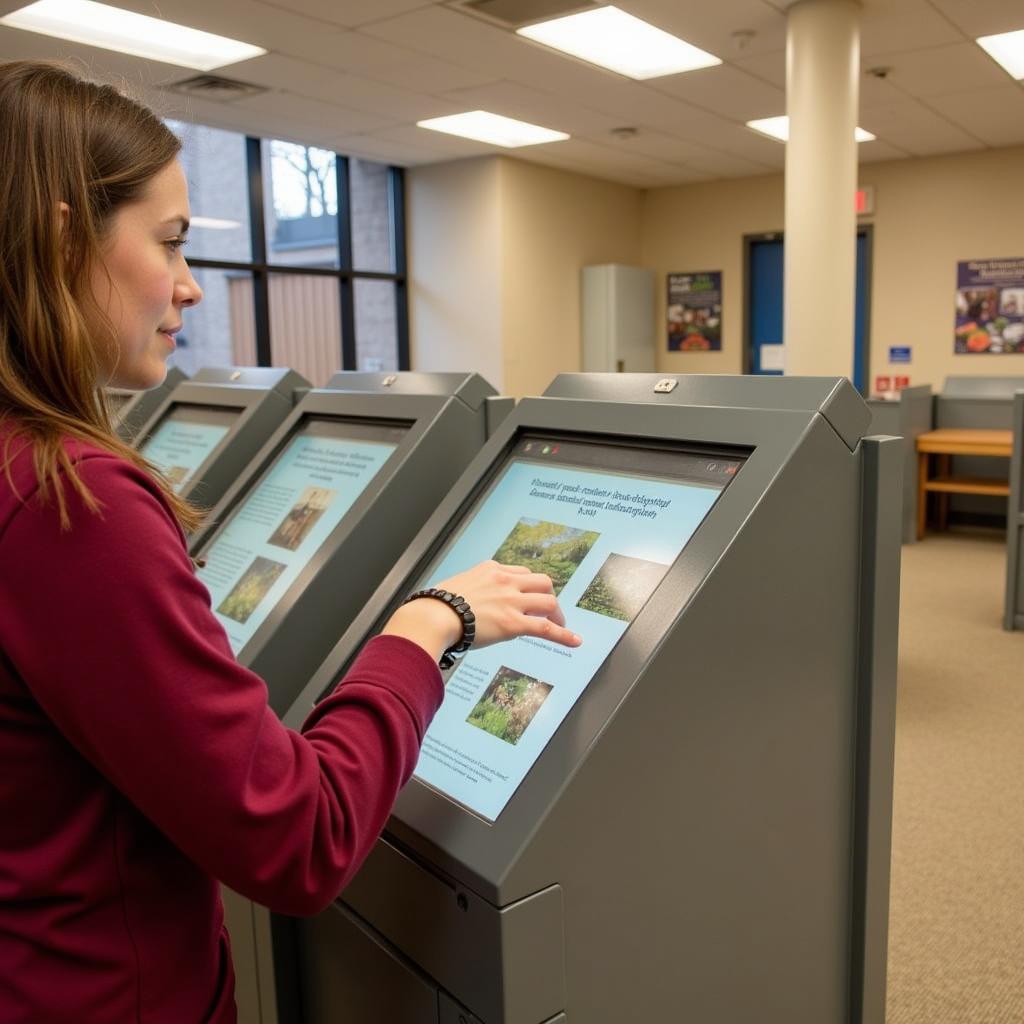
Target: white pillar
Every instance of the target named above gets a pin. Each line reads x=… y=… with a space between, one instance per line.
x=822 y=72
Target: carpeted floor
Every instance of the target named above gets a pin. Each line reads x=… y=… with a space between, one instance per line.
x=956 y=933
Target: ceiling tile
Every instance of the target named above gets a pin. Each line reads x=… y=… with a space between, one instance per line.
x=943 y=70
x=983 y=17
x=331 y=118
x=996 y=116
x=734 y=140
x=711 y=26
x=512 y=99
x=877 y=151
x=424 y=74
x=918 y=130
x=903 y=25
x=725 y=90
x=351 y=12
x=771 y=67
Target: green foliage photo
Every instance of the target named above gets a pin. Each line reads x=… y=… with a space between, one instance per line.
x=550 y=548
x=509 y=704
x=622 y=587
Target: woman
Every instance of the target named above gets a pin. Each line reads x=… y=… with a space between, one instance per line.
x=139 y=763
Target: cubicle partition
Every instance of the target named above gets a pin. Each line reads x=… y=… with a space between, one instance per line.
x=906 y=417
x=1015 y=523
x=977 y=403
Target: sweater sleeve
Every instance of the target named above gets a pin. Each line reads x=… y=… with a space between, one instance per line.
x=113 y=634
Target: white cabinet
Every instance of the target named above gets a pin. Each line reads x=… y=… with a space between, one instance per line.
x=617 y=318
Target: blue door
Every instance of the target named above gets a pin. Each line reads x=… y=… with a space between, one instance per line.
x=764 y=314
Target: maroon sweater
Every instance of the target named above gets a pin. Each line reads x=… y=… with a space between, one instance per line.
x=139 y=763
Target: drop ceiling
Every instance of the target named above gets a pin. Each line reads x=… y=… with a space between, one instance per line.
x=356 y=76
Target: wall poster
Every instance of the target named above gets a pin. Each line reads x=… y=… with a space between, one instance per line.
x=989 y=307
x=695 y=312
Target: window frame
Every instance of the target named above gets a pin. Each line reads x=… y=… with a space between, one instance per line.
x=261 y=269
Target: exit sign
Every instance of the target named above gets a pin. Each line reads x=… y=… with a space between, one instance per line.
x=864 y=200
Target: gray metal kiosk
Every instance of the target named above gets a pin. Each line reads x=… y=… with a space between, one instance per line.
x=1014 y=617
x=208 y=428
x=312 y=525
x=687 y=818
x=132 y=409
x=327 y=506
x=977 y=403
x=906 y=417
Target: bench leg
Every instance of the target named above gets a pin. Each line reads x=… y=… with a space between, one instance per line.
x=945 y=469
x=922 y=494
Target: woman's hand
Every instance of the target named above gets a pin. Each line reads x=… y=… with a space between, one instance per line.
x=507 y=600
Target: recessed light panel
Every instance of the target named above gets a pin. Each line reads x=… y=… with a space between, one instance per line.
x=1006 y=49
x=778 y=128
x=110 y=28
x=493 y=128
x=616 y=40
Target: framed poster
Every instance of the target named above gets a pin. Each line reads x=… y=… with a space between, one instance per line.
x=695 y=312
x=989 y=307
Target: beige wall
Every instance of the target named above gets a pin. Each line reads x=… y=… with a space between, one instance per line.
x=930 y=214
x=496 y=246
x=453 y=213
x=495 y=251
x=701 y=227
x=555 y=223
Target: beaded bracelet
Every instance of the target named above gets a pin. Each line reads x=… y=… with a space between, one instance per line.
x=461 y=608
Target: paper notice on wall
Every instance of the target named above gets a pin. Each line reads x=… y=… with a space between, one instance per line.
x=773 y=357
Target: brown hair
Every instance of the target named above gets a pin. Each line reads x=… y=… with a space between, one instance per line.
x=65 y=140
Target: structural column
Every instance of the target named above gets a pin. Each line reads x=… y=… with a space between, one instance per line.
x=822 y=73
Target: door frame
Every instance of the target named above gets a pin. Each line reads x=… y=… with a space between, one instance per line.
x=868 y=231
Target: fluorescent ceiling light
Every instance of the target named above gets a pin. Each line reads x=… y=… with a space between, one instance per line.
x=95 y=24
x=493 y=128
x=618 y=41
x=1006 y=49
x=778 y=128
x=214 y=223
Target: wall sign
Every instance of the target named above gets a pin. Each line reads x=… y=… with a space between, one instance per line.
x=899 y=353
x=695 y=312
x=989 y=307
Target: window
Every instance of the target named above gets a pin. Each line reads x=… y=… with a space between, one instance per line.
x=221 y=330
x=300 y=253
x=300 y=204
x=214 y=165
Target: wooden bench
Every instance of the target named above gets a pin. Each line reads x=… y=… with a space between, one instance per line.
x=944 y=444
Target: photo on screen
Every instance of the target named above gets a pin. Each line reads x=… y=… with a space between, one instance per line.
x=247 y=593
x=622 y=586
x=550 y=548
x=509 y=704
x=302 y=517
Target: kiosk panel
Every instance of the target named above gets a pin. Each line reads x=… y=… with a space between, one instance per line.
x=185 y=438
x=605 y=522
x=289 y=513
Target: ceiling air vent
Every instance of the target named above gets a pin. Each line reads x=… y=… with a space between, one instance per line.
x=211 y=87
x=516 y=13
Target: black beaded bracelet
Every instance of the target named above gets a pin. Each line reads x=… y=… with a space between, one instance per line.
x=461 y=608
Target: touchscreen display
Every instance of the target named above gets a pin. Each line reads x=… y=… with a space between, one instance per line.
x=185 y=438
x=605 y=523
x=289 y=512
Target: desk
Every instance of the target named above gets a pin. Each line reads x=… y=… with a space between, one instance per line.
x=945 y=444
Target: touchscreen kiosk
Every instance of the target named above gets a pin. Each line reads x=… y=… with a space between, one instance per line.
x=208 y=428
x=131 y=409
x=313 y=524
x=687 y=817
